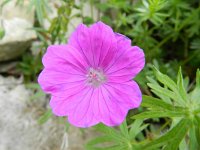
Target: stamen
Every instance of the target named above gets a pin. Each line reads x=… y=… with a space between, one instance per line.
x=95 y=77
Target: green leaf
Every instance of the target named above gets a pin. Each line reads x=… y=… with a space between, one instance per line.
x=2 y=33
x=164 y=79
x=45 y=116
x=37 y=95
x=198 y=78
x=88 y=20
x=124 y=129
x=159 y=94
x=67 y=125
x=186 y=82
x=136 y=128
x=195 y=44
x=183 y=144
x=195 y=96
x=180 y=83
x=172 y=137
x=111 y=131
x=99 y=143
x=106 y=19
x=40 y=7
x=158 y=114
x=197 y=130
x=162 y=90
x=34 y=86
x=158 y=104
x=193 y=143
x=102 y=6
x=167 y=81
x=99 y=140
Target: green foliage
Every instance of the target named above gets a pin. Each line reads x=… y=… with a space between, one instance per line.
x=30 y=66
x=2 y=33
x=56 y=33
x=124 y=137
x=2 y=30
x=181 y=106
x=45 y=116
x=175 y=102
x=38 y=93
x=152 y=10
x=169 y=33
x=172 y=138
x=165 y=29
x=40 y=8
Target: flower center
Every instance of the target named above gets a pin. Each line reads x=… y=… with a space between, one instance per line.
x=95 y=77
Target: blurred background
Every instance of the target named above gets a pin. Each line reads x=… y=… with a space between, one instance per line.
x=167 y=30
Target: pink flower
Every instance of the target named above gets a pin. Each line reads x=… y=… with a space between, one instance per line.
x=90 y=78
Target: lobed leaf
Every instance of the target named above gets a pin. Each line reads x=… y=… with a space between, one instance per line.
x=158 y=104
x=180 y=83
x=193 y=143
x=136 y=128
x=111 y=131
x=172 y=137
x=163 y=91
x=164 y=79
x=158 y=114
x=99 y=140
x=124 y=129
x=160 y=95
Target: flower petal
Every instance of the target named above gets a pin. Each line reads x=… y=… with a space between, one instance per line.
x=97 y=43
x=67 y=72
x=65 y=58
x=80 y=39
x=127 y=65
x=112 y=113
x=103 y=43
x=123 y=43
x=78 y=108
x=60 y=83
x=64 y=106
x=82 y=115
x=126 y=93
x=112 y=101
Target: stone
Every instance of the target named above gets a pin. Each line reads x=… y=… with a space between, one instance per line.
x=19 y=127
x=78 y=139
x=16 y=21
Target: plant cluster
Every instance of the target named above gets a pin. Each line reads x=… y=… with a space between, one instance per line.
x=169 y=33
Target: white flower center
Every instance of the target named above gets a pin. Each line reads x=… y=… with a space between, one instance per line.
x=95 y=77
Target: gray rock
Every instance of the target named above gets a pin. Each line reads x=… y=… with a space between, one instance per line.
x=19 y=129
x=17 y=22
